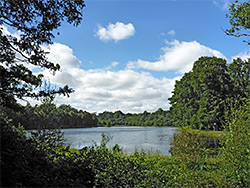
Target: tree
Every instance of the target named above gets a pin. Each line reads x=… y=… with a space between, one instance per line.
x=239 y=71
x=199 y=97
x=213 y=86
x=184 y=101
x=239 y=20
x=36 y=21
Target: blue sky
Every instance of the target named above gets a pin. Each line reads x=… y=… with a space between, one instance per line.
x=126 y=55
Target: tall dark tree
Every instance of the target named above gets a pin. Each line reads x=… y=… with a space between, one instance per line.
x=239 y=71
x=213 y=86
x=36 y=21
x=199 y=97
x=184 y=102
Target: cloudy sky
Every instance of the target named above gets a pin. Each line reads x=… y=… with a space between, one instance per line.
x=127 y=54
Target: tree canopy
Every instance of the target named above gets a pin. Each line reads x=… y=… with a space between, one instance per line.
x=202 y=96
x=36 y=22
x=239 y=71
x=49 y=116
x=157 y=118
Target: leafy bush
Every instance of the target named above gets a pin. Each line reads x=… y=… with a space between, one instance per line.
x=198 y=162
x=47 y=139
x=187 y=146
x=24 y=165
x=112 y=168
x=191 y=143
x=236 y=150
x=21 y=163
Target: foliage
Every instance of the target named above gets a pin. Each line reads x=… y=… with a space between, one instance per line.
x=183 y=100
x=49 y=116
x=36 y=22
x=20 y=161
x=24 y=165
x=239 y=19
x=193 y=165
x=192 y=146
x=239 y=71
x=187 y=146
x=157 y=118
x=114 y=168
x=199 y=161
x=199 y=98
x=47 y=139
x=236 y=150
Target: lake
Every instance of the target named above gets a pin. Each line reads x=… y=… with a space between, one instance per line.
x=128 y=138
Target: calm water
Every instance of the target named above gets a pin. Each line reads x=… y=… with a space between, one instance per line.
x=128 y=138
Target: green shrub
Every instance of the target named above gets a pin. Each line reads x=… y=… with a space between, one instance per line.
x=47 y=139
x=191 y=144
x=21 y=163
x=199 y=162
x=236 y=150
x=187 y=146
x=112 y=168
x=24 y=165
x=72 y=168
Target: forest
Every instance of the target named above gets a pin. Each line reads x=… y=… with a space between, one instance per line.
x=157 y=118
x=49 y=116
x=209 y=103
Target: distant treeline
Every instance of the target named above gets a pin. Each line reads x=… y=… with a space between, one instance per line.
x=49 y=116
x=158 y=118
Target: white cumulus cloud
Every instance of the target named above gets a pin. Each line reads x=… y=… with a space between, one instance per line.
x=126 y=90
x=116 y=32
x=63 y=55
x=178 y=56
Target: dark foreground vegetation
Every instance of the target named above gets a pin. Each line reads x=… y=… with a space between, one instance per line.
x=195 y=161
x=49 y=116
